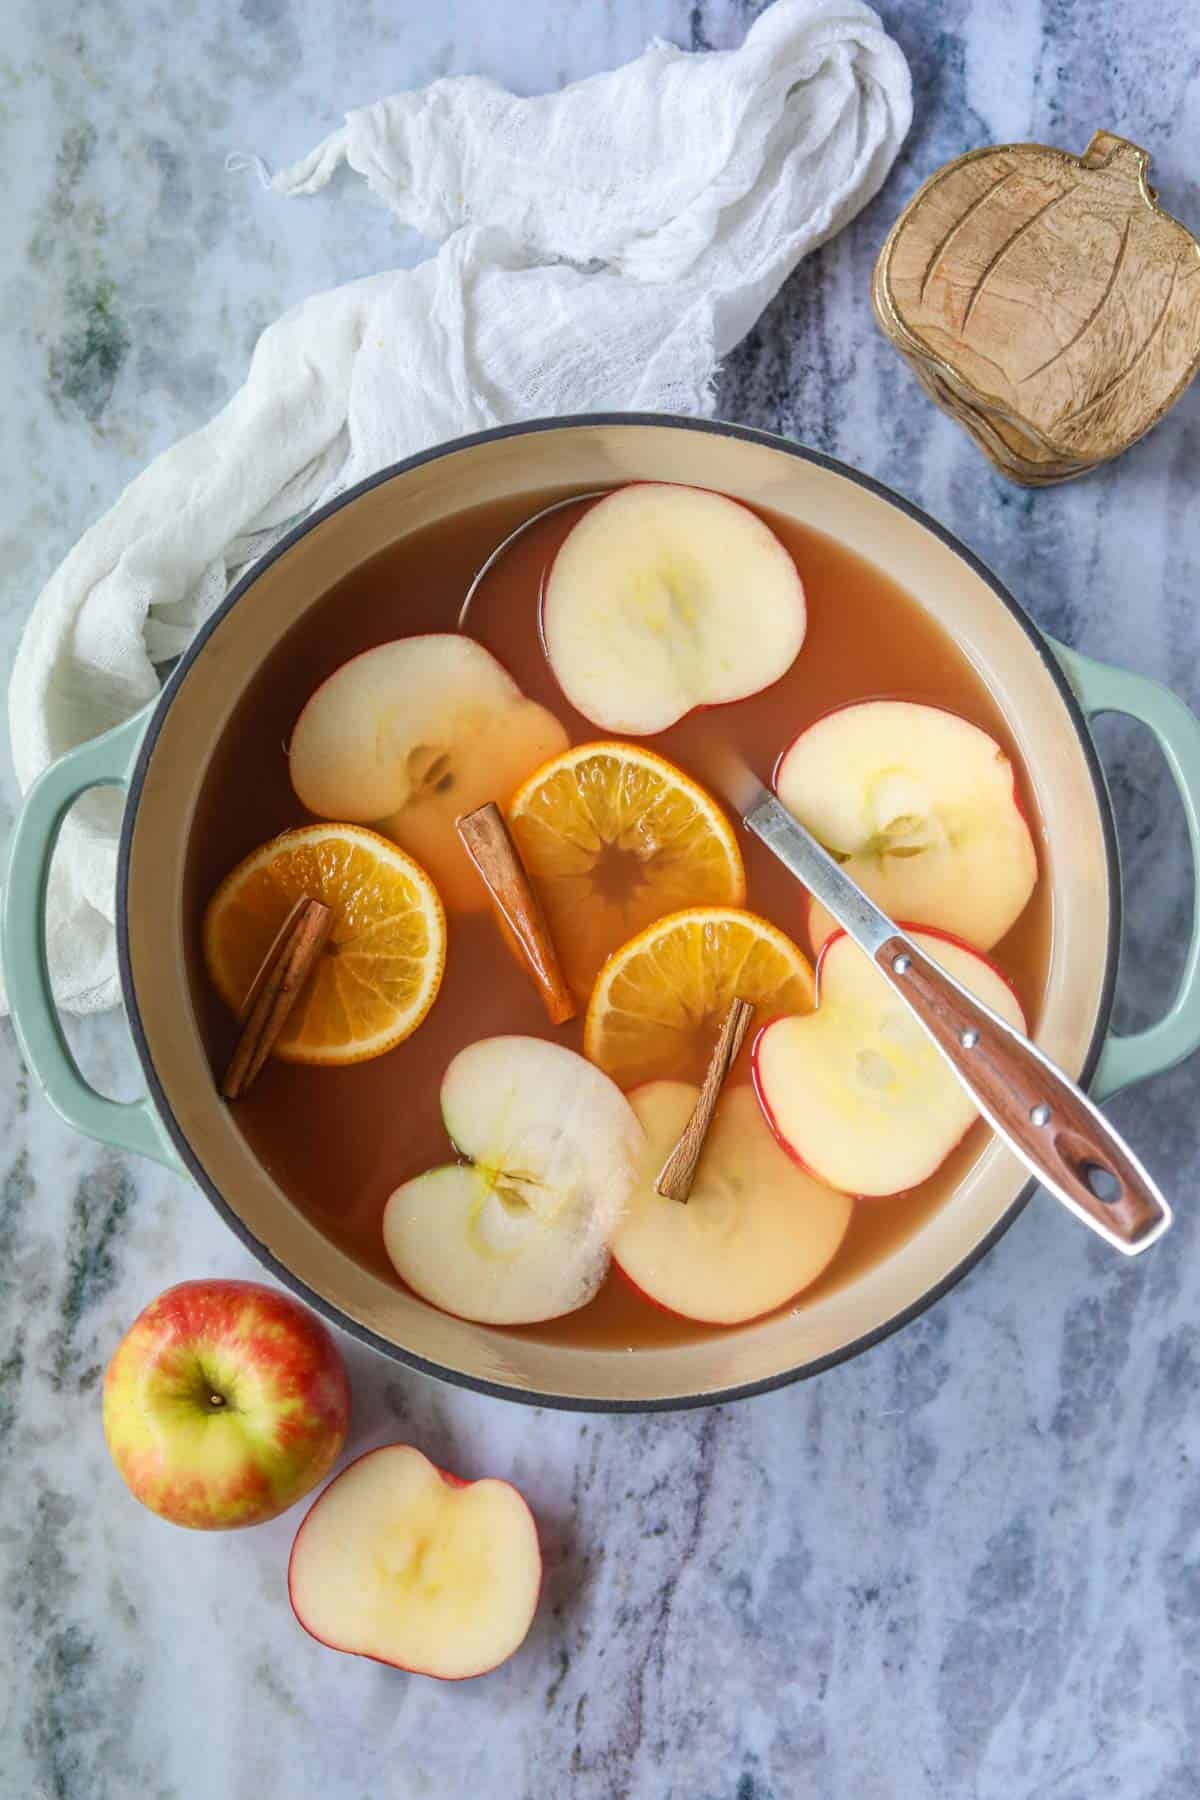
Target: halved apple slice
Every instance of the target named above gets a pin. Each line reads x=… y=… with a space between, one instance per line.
x=664 y=598
x=403 y=1563
x=856 y=1091
x=922 y=808
x=755 y=1230
x=520 y=1232
x=410 y=736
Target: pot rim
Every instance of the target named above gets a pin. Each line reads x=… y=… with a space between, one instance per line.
x=411 y=1359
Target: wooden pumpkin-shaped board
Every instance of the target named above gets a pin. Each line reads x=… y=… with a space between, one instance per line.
x=1045 y=300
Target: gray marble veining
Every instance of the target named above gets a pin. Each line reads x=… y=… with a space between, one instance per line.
x=967 y=1564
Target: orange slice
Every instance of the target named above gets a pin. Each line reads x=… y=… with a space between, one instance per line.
x=382 y=964
x=659 y=1001
x=615 y=837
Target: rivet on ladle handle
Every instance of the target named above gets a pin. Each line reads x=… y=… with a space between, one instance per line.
x=1060 y=1135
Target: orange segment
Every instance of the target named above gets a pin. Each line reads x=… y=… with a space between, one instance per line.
x=382 y=964
x=615 y=837
x=659 y=1001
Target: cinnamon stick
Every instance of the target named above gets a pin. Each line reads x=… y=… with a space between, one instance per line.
x=270 y=959
x=489 y=844
x=275 y=989
x=677 y=1174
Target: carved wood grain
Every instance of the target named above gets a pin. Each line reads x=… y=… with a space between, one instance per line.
x=1045 y=301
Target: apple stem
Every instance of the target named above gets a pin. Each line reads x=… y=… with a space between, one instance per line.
x=678 y=1173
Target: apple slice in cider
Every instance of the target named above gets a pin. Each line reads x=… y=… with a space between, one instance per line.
x=856 y=1091
x=520 y=1231
x=663 y=598
x=755 y=1229
x=410 y=736
x=921 y=808
x=403 y=1563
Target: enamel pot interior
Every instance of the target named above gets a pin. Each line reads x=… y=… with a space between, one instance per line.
x=160 y=967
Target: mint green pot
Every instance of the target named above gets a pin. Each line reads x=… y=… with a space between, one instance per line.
x=1048 y=692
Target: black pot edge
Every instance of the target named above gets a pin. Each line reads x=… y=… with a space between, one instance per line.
x=524 y=1396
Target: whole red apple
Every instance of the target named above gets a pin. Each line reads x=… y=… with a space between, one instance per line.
x=224 y=1404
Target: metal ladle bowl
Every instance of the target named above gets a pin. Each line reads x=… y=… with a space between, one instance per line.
x=514 y=534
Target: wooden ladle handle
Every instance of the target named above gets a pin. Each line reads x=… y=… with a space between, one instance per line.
x=1054 y=1128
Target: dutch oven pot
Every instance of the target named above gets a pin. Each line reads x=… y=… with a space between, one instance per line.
x=1047 y=693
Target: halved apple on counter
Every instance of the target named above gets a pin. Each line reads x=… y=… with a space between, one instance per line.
x=520 y=1231
x=663 y=598
x=403 y=1563
x=856 y=1091
x=921 y=808
x=755 y=1229
x=410 y=736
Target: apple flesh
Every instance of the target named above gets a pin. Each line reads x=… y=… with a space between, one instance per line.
x=410 y=736
x=400 y=1562
x=663 y=598
x=224 y=1403
x=921 y=808
x=856 y=1091
x=520 y=1231
x=755 y=1230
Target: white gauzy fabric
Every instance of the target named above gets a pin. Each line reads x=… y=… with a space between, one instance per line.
x=603 y=248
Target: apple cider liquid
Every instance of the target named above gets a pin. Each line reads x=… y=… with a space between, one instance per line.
x=339 y=1140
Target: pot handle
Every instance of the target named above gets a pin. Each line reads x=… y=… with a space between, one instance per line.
x=105 y=761
x=1101 y=688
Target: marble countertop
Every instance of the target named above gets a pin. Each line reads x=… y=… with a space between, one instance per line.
x=967 y=1564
